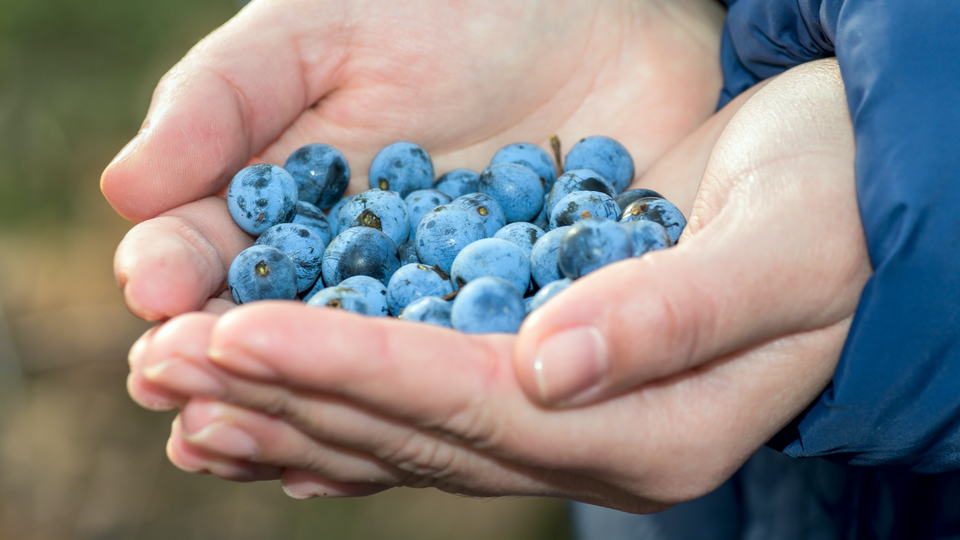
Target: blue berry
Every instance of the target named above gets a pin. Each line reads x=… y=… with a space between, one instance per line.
x=625 y=198
x=402 y=167
x=591 y=244
x=312 y=218
x=262 y=273
x=660 y=211
x=488 y=305
x=605 y=156
x=321 y=172
x=377 y=209
x=577 y=180
x=543 y=219
x=492 y=257
x=261 y=196
x=343 y=298
x=414 y=281
x=547 y=292
x=458 y=182
x=430 y=310
x=543 y=259
x=583 y=204
x=523 y=235
x=335 y=212
x=360 y=251
x=303 y=246
x=530 y=156
x=647 y=236
x=444 y=231
x=486 y=208
x=517 y=189
x=408 y=252
x=422 y=201
x=371 y=289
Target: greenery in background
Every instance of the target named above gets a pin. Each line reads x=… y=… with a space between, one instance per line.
x=75 y=82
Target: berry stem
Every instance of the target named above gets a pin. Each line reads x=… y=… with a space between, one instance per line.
x=557 y=155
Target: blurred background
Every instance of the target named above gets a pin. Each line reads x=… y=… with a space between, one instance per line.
x=78 y=460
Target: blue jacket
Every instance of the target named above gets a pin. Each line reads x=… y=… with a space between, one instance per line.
x=895 y=397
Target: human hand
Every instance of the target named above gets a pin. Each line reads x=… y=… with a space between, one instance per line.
x=368 y=403
x=460 y=79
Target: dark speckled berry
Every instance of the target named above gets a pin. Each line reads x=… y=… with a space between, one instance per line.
x=523 y=235
x=577 y=180
x=303 y=246
x=262 y=273
x=422 y=201
x=517 y=188
x=378 y=209
x=371 y=289
x=360 y=251
x=402 y=167
x=261 y=196
x=488 y=305
x=627 y=197
x=430 y=310
x=605 y=156
x=543 y=258
x=660 y=211
x=532 y=157
x=414 y=281
x=312 y=218
x=591 y=244
x=458 y=182
x=647 y=236
x=492 y=257
x=408 y=252
x=334 y=212
x=581 y=205
x=548 y=292
x=486 y=208
x=444 y=231
x=343 y=298
x=321 y=172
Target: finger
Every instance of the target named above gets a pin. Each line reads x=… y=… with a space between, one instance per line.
x=193 y=460
x=376 y=361
x=175 y=263
x=759 y=259
x=233 y=93
x=300 y=484
x=184 y=337
x=241 y=434
x=145 y=393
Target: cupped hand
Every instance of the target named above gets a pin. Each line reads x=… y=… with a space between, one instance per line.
x=461 y=79
x=349 y=405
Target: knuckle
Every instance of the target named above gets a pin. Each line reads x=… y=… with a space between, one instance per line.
x=425 y=460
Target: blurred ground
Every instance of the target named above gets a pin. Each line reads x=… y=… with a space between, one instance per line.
x=78 y=460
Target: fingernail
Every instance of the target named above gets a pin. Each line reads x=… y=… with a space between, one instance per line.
x=303 y=490
x=184 y=377
x=137 y=352
x=569 y=364
x=129 y=149
x=225 y=439
x=242 y=362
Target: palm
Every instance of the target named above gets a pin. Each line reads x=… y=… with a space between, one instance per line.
x=463 y=81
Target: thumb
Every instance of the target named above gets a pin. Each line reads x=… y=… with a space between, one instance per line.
x=759 y=260
x=231 y=95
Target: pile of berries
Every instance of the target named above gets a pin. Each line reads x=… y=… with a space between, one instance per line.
x=474 y=252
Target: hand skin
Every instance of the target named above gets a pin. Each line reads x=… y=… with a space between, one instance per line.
x=462 y=79
x=369 y=403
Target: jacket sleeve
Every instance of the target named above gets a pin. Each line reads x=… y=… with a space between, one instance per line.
x=895 y=396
